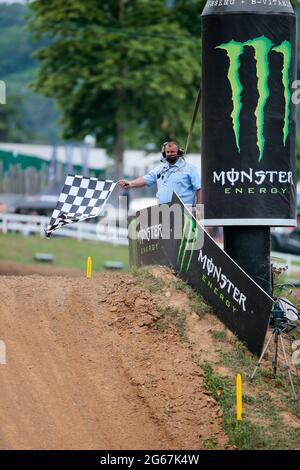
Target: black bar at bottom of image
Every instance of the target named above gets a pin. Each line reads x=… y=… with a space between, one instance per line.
x=140 y=458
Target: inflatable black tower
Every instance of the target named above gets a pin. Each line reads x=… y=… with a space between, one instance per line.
x=249 y=126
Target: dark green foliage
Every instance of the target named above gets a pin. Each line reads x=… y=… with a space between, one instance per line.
x=11 y=127
x=27 y=116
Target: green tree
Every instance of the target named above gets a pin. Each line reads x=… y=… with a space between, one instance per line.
x=126 y=71
x=11 y=126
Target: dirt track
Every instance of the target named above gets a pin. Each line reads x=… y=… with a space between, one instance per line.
x=86 y=370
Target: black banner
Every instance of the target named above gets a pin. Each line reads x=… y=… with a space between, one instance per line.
x=248 y=117
x=235 y=298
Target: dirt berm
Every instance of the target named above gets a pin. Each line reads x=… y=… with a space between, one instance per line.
x=87 y=368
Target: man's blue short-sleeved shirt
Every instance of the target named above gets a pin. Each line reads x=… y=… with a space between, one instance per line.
x=182 y=178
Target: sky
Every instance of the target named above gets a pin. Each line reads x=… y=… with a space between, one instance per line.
x=13 y=1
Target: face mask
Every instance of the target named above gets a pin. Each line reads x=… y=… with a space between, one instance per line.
x=172 y=159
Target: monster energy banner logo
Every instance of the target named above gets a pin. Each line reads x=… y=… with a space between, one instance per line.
x=262 y=48
x=223 y=284
x=190 y=234
x=235 y=298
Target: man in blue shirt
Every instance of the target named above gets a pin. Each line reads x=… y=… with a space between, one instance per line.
x=174 y=175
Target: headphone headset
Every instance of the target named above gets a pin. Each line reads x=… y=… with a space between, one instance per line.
x=180 y=152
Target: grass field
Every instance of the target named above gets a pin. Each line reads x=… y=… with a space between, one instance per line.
x=66 y=251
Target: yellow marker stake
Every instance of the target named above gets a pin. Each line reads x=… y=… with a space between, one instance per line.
x=89 y=268
x=239 y=403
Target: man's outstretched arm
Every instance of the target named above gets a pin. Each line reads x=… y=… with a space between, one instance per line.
x=136 y=183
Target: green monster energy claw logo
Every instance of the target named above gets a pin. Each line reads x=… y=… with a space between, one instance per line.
x=262 y=46
x=190 y=232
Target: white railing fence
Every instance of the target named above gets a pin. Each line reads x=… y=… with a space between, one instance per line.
x=29 y=224
x=291 y=261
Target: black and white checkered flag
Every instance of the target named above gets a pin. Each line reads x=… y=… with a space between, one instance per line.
x=80 y=199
